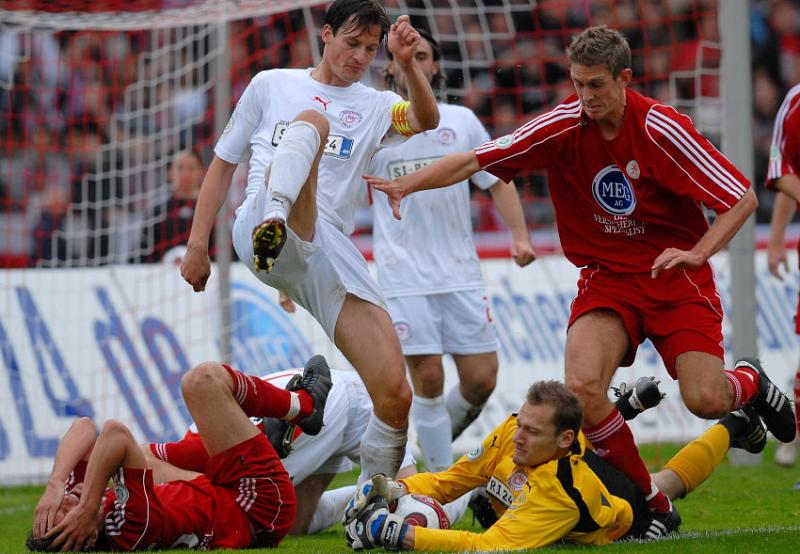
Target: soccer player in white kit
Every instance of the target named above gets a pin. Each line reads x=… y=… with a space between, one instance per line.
x=312 y=133
x=429 y=271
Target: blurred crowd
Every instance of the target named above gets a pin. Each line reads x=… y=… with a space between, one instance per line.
x=105 y=134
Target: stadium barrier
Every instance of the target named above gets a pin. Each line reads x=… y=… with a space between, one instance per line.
x=112 y=345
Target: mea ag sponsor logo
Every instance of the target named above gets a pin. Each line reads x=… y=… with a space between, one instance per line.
x=337 y=146
x=613 y=191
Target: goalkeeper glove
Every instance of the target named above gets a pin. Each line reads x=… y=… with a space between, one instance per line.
x=375 y=527
x=378 y=485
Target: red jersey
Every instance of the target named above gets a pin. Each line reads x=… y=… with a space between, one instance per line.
x=197 y=514
x=784 y=153
x=619 y=203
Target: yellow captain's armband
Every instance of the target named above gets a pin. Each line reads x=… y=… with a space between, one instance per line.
x=400 y=119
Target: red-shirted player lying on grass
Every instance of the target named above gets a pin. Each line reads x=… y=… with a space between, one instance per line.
x=244 y=499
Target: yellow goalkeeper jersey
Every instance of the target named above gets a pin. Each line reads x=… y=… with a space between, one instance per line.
x=537 y=506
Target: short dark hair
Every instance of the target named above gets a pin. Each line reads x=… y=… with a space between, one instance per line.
x=600 y=45
x=37 y=545
x=567 y=407
x=357 y=13
x=438 y=81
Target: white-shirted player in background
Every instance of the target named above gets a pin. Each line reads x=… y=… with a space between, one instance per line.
x=430 y=274
x=312 y=133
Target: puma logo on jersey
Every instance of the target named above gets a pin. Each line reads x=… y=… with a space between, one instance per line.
x=323 y=102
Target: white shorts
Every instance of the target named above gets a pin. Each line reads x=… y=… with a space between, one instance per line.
x=317 y=275
x=447 y=323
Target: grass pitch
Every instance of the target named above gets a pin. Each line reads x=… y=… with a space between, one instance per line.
x=738 y=510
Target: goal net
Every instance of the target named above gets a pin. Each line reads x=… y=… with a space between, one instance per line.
x=108 y=115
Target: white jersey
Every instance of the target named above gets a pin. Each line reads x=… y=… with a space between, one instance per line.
x=359 y=116
x=430 y=250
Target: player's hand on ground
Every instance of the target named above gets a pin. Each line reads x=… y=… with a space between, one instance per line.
x=672 y=258
x=403 y=41
x=45 y=513
x=776 y=258
x=375 y=527
x=377 y=485
x=196 y=267
x=76 y=532
x=393 y=189
x=522 y=251
x=286 y=303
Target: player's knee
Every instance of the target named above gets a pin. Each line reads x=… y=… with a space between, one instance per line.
x=115 y=427
x=318 y=120
x=431 y=380
x=590 y=390
x=204 y=375
x=481 y=386
x=708 y=404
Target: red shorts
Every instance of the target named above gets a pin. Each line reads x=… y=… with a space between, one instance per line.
x=253 y=473
x=244 y=487
x=188 y=453
x=679 y=311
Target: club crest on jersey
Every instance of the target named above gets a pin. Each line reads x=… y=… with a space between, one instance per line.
x=446 y=136
x=121 y=494
x=504 y=142
x=402 y=329
x=349 y=118
x=613 y=191
x=229 y=125
x=516 y=480
x=774 y=153
x=632 y=169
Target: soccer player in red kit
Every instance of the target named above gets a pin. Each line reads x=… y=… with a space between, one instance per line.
x=627 y=176
x=783 y=174
x=243 y=499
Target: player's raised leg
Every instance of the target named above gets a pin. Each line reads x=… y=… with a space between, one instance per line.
x=365 y=335
x=597 y=342
x=291 y=188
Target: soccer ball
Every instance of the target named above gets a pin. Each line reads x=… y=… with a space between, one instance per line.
x=421 y=510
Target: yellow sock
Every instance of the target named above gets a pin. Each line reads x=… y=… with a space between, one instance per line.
x=695 y=462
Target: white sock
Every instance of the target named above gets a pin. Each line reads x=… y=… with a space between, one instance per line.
x=382 y=449
x=455 y=509
x=330 y=508
x=462 y=412
x=432 y=423
x=291 y=165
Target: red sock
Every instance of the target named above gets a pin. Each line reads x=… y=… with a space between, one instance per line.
x=259 y=398
x=613 y=441
x=744 y=383
x=797 y=397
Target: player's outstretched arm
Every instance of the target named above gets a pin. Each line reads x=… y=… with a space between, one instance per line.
x=506 y=199
x=783 y=210
x=196 y=265
x=717 y=236
x=75 y=445
x=451 y=169
x=423 y=113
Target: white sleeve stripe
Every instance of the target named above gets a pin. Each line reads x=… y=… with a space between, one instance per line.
x=696 y=154
x=704 y=157
x=514 y=154
x=720 y=200
x=689 y=156
x=558 y=109
x=489 y=146
x=776 y=165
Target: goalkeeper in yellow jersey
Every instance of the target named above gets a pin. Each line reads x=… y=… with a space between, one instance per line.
x=544 y=483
